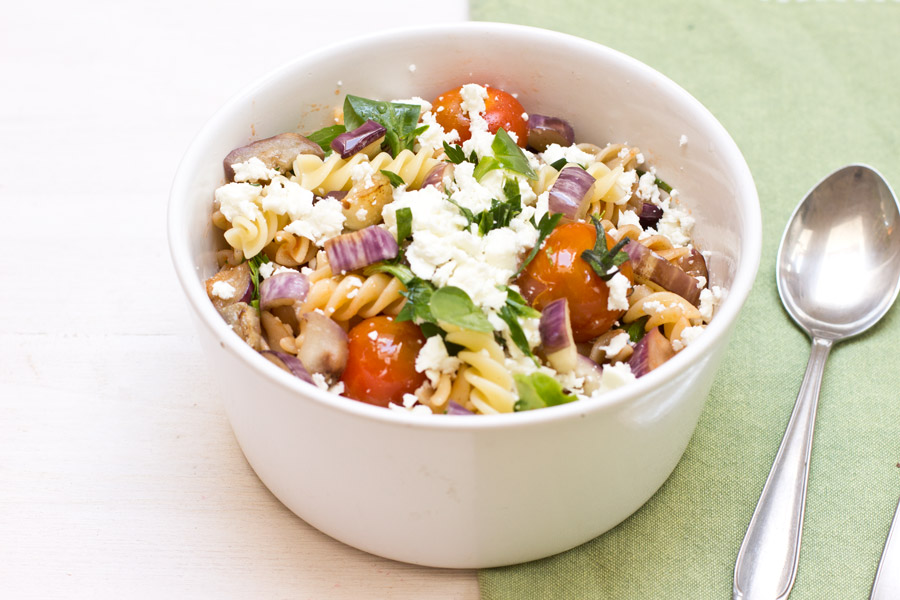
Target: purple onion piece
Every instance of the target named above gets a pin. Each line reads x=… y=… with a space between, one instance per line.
x=649 y=266
x=358 y=249
x=435 y=176
x=650 y=215
x=283 y=289
x=350 y=142
x=457 y=409
x=544 y=130
x=289 y=363
x=555 y=328
x=325 y=346
x=653 y=350
x=569 y=194
x=337 y=195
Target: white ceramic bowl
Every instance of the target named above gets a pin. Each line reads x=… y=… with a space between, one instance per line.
x=489 y=490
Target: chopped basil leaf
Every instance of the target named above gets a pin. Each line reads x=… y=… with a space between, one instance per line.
x=485 y=165
x=545 y=227
x=558 y=165
x=605 y=262
x=323 y=137
x=395 y=179
x=454 y=153
x=659 y=182
x=418 y=298
x=635 y=329
x=398 y=270
x=468 y=214
x=517 y=303
x=404 y=223
x=453 y=306
x=254 y=264
x=539 y=390
x=430 y=329
x=400 y=120
x=510 y=155
x=516 y=333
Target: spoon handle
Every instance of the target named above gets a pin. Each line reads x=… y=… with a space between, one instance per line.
x=767 y=562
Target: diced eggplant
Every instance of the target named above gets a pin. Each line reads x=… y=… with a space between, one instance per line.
x=238 y=278
x=244 y=320
x=694 y=265
x=324 y=348
x=277 y=152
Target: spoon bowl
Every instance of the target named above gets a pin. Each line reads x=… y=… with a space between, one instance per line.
x=838 y=263
x=838 y=273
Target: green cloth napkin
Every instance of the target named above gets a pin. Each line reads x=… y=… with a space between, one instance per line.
x=804 y=87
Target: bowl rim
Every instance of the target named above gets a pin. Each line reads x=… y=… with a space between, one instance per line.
x=726 y=314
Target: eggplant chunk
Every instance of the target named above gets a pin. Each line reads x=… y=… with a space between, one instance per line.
x=694 y=264
x=244 y=320
x=276 y=152
x=650 y=267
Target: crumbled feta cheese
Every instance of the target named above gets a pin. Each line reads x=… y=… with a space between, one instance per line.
x=676 y=223
x=223 y=290
x=434 y=136
x=324 y=221
x=239 y=200
x=615 y=376
x=412 y=68
x=683 y=140
x=709 y=300
x=654 y=307
x=285 y=197
x=688 y=335
x=618 y=292
x=433 y=360
x=615 y=345
x=572 y=154
x=701 y=281
x=628 y=217
x=647 y=189
x=639 y=158
x=410 y=406
x=253 y=170
x=361 y=173
x=320 y=381
x=268 y=269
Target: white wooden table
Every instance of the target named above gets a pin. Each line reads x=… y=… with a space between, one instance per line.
x=119 y=474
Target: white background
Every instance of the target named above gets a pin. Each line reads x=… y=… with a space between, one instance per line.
x=119 y=474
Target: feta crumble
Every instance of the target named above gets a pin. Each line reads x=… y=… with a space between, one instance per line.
x=223 y=290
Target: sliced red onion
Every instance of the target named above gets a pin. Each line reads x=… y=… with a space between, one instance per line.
x=650 y=215
x=325 y=347
x=544 y=130
x=457 y=409
x=350 y=142
x=556 y=336
x=653 y=350
x=289 y=363
x=358 y=249
x=569 y=194
x=590 y=371
x=436 y=175
x=282 y=289
x=649 y=266
x=337 y=195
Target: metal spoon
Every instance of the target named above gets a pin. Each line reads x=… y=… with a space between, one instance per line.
x=838 y=273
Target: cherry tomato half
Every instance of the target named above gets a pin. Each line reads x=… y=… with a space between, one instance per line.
x=501 y=110
x=558 y=271
x=381 y=365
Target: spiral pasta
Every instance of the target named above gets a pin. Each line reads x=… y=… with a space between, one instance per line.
x=492 y=385
x=250 y=236
x=343 y=297
x=663 y=308
x=336 y=173
x=290 y=250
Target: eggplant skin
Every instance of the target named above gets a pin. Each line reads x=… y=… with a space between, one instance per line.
x=277 y=152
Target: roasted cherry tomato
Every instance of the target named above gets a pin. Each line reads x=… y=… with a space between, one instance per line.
x=381 y=365
x=558 y=271
x=501 y=110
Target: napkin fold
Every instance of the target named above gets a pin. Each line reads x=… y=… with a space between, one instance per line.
x=804 y=87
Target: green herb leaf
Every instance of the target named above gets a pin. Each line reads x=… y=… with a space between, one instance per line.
x=454 y=153
x=453 y=306
x=605 y=262
x=510 y=155
x=468 y=214
x=659 y=182
x=498 y=215
x=418 y=298
x=539 y=390
x=485 y=165
x=396 y=180
x=398 y=270
x=635 y=329
x=516 y=333
x=517 y=303
x=545 y=227
x=558 y=165
x=404 y=223
x=254 y=264
x=400 y=120
x=323 y=137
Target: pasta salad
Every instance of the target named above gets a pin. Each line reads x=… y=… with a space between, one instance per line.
x=458 y=256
